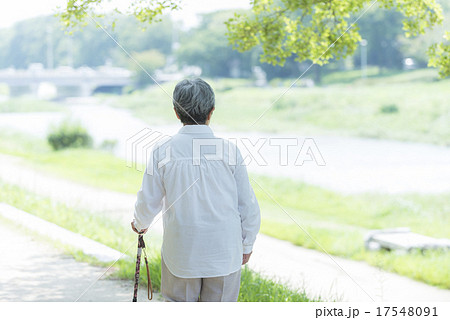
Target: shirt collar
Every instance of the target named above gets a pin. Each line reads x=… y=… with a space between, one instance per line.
x=196 y=129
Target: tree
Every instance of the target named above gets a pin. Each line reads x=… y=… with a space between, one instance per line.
x=417 y=48
x=440 y=56
x=207 y=47
x=290 y=69
x=149 y=60
x=135 y=38
x=27 y=42
x=91 y=48
x=382 y=29
x=316 y=30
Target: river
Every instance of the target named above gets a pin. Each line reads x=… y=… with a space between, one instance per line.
x=351 y=165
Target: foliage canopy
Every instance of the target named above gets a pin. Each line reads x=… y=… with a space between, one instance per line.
x=314 y=30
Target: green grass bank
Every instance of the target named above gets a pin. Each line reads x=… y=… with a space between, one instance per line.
x=335 y=222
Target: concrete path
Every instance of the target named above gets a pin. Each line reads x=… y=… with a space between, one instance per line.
x=296 y=266
x=15 y=170
x=60 y=235
x=336 y=278
x=33 y=270
x=110 y=204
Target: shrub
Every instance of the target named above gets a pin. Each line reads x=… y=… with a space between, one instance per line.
x=390 y=108
x=108 y=145
x=285 y=103
x=69 y=135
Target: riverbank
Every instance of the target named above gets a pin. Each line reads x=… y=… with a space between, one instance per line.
x=352 y=165
x=334 y=225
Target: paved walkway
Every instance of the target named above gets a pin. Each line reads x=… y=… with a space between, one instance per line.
x=14 y=170
x=299 y=267
x=33 y=270
x=336 y=278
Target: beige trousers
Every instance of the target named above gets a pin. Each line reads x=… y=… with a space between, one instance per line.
x=215 y=289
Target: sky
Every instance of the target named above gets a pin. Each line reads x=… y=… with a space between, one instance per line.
x=17 y=10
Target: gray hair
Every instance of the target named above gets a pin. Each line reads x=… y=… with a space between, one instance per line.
x=193 y=100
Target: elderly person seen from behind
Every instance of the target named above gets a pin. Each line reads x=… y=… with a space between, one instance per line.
x=210 y=213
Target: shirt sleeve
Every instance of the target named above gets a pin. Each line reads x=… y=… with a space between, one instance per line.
x=248 y=206
x=150 y=197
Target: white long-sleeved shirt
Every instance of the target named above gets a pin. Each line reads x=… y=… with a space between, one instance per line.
x=210 y=212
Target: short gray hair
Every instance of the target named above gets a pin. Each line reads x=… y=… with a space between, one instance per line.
x=193 y=100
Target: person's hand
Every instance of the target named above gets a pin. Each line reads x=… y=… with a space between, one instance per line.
x=136 y=230
x=246 y=257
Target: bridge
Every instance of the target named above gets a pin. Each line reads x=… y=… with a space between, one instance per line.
x=86 y=79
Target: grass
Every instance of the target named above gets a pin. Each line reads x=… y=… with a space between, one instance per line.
x=336 y=222
x=115 y=235
x=28 y=105
x=346 y=105
x=352 y=76
x=255 y=287
x=90 y=166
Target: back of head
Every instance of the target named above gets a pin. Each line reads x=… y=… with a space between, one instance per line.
x=193 y=101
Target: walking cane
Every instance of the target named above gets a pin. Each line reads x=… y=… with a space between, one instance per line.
x=141 y=247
